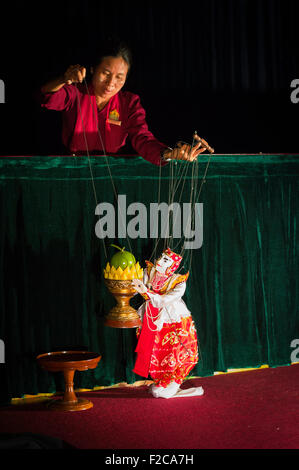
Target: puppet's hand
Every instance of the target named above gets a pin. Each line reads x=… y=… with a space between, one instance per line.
x=139 y=286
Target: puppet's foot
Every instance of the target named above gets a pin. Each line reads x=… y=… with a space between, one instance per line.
x=189 y=392
x=173 y=391
x=164 y=392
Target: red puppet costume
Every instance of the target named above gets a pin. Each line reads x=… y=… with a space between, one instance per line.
x=167 y=345
x=122 y=117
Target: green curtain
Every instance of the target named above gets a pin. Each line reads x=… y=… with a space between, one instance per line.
x=243 y=284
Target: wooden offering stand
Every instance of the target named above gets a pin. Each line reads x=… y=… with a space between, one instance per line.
x=122 y=315
x=68 y=362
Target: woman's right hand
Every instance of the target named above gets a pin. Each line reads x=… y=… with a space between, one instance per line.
x=74 y=74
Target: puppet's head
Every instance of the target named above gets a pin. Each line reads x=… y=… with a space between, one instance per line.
x=168 y=262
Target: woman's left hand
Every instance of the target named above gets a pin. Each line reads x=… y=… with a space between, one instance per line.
x=185 y=151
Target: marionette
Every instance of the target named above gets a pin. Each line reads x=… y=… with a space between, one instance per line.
x=167 y=340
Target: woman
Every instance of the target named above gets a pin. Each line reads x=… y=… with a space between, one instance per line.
x=98 y=116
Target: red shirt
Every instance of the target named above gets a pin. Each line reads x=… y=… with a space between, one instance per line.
x=106 y=130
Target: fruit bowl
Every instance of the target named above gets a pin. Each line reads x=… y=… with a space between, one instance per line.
x=118 y=276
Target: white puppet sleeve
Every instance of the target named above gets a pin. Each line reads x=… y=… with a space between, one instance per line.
x=162 y=301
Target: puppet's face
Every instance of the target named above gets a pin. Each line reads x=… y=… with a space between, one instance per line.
x=163 y=263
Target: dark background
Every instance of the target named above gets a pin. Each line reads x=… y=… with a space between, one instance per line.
x=221 y=67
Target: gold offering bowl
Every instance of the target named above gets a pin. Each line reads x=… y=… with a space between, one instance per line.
x=122 y=315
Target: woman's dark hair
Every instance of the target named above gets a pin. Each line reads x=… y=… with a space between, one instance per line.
x=111 y=47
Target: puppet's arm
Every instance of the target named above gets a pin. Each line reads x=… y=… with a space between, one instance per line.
x=161 y=301
x=164 y=300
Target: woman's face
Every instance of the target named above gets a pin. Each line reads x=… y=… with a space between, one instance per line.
x=109 y=76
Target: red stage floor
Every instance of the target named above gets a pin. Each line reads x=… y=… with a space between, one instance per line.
x=246 y=410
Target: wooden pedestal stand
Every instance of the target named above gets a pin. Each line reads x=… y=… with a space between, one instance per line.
x=68 y=362
x=122 y=315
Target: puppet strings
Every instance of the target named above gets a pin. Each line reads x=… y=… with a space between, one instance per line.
x=194 y=198
x=174 y=183
x=194 y=175
x=159 y=194
x=177 y=174
x=195 y=201
x=174 y=179
x=170 y=191
x=177 y=180
x=104 y=154
x=86 y=145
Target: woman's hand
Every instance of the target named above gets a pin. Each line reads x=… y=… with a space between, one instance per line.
x=74 y=74
x=139 y=286
x=186 y=152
